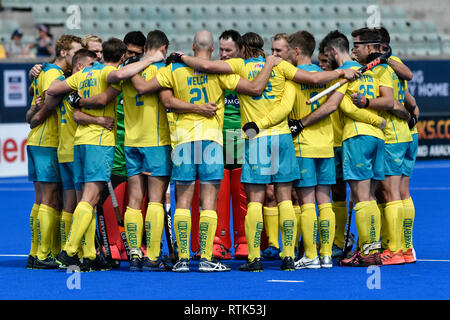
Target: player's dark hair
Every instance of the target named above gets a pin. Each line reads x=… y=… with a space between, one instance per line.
x=113 y=50
x=233 y=35
x=135 y=37
x=253 y=45
x=304 y=41
x=384 y=35
x=368 y=35
x=336 y=39
x=81 y=54
x=156 y=39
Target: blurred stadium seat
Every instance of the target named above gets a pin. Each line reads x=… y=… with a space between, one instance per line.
x=267 y=17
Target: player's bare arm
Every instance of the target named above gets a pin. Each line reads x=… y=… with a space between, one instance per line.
x=384 y=102
x=145 y=87
x=170 y=102
x=85 y=119
x=133 y=68
x=324 y=77
x=207 y=66
x=402 y=70
x=100 y=100
x=257 y=86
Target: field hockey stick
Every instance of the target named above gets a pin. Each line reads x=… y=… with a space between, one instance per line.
x=347 y=231
x=168 y=228
x=103 y=239
x=363 y=69
x=115 y=204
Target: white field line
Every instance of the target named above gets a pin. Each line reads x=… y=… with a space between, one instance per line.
x=17 y=189
x=286 y=281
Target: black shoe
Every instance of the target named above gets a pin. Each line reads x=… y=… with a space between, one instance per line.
x=287 y=264
x=135 y=264
x=98 y=264
x=157 y=265
x=254 y=266
x=30 y=262
x=64 y=260
x=47 y=263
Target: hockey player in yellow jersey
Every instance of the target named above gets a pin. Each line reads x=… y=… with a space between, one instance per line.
x=43 y=170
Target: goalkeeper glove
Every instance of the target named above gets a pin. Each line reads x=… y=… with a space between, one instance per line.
x=131 y=60
x=250 y=129
x=74 y=100
x=296 y=126
x=173 y=58
x=360 y=100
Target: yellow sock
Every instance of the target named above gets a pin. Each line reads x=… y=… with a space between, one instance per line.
x=253 y=229
x=182 y=227
x=298 y=218
x=33 y=229
x=309 y=229
x=45 y=230
x=327 y=228
x=288 y=226
x=408 y=223
x=366 y=217
x=56 y=236
x=134 y=224
x=81 y=219
x=66 y=222
x=207 y=227
x=271 y=219
x=89 y=250
x=154 y=226
x=393 y=220
x=340 y=213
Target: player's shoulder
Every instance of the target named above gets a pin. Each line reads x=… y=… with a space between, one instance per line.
x=350 y=64
x=311 y=67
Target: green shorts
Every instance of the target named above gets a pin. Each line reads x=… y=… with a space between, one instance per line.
x=315 y=171
x=363 y=158
x=43 y=164
x=394 y=156
x=93 y=163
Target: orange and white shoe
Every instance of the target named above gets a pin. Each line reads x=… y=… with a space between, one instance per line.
x=390 y=258
x=409 y=255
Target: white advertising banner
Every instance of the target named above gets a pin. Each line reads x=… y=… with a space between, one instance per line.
x=14 y=88
x=13 y=149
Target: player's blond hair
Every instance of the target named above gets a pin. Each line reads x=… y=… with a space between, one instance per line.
x=65 y=43
x=280 y=36
x=90 y=37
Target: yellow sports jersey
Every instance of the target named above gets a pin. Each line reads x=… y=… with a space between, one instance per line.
x=89 y=82
x=338 y=127
x=396 y=130
x=66 y=128
x=255 y=108
x=358 y=121
x=315 y=141
x=145 y=117
x=197 y=88
x=45 y=134
x=405 y=84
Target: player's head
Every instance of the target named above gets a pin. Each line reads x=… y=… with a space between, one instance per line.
x=135 y=42
x=203 y=42
x=83 y=58
x=252 y=45
x=230 y=44
x=301 y=44
x=157 y=40
x=114 y=50
x=280 y=45
x=323 y=57
x=94 y=44
x=65 y=48
x=385 y=38
x=335 y=45
x=365 y=41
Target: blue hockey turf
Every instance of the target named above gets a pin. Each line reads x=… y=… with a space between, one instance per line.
x=427 y=279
